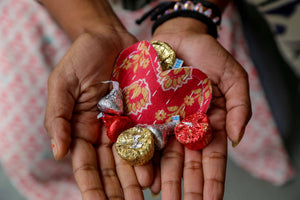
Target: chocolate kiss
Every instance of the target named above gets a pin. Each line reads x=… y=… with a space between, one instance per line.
x=112 y=103
x=161 y=132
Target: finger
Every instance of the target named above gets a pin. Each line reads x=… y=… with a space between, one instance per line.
x=156 y=184
x=111 y=184
x=144 y=174
x=84 y=161
x=235 y=87
x=192 y=175
x=214 y=166
x=58 y=114
x=171 y=170
x=128 y=179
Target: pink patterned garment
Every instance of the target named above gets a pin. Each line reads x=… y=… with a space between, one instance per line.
x=261 y=152
x=31 y=44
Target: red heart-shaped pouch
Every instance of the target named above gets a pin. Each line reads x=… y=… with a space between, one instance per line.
x=153 y=96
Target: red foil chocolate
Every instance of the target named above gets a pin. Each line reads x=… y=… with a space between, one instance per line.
x=115 y=125
x=194 y=131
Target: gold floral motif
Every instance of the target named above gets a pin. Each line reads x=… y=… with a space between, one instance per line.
x=137 y=97
x=207 y=91
x=160 y=115
x=116 y=72
x=174 y=78
x=144 y=48
x=135 y=60
x=127 y=62
x=189 y=100
x=175 y=110
x=140 y=60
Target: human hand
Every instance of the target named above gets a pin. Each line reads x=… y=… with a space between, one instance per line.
x=74 y=88
x=204 y=171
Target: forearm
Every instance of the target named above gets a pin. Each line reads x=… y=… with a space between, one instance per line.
x=79 y=16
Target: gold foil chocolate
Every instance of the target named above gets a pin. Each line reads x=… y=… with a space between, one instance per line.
x=166 y=54
x=136 y=145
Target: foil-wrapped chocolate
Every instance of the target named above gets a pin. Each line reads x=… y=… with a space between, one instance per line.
x=112 y=103
x=115 y=125
x=161 y=132
x=194 y=131
x=135 y=145
x=165 y=53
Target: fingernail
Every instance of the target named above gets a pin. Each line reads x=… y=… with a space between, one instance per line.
x=54 y=148
x=235 y=144
x=155 y=196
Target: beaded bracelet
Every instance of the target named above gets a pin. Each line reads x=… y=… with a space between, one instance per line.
x=202 y=10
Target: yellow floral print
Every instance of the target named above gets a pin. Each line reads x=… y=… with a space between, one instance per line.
x=160 y=115
x=168 y=80
x=136 y=97
x=198 y=95
x=135 y=60
x=189 y=100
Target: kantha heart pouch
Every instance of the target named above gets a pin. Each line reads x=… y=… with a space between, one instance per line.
x=153 y=96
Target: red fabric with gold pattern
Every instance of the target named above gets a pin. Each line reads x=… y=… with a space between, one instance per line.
x=153 y=96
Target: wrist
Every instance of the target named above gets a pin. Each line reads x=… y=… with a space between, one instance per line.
x=181 y=25
x=80 y=16
x=208 y=13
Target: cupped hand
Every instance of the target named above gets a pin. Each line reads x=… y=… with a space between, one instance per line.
x=204 y=171
x=74 y=88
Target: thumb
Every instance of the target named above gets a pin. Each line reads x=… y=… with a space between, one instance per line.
x=235 y=87
x=59 y=111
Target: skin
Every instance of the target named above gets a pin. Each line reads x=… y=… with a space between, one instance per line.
x=75 y=86
x=229 y=113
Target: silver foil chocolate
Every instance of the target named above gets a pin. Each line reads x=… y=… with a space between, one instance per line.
x=161 y=133
x=112 y=103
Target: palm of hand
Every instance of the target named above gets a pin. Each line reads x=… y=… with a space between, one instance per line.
x=81 y=72
x=75 y=87
x=87 y=133
x=226 y=109
x=77 y=84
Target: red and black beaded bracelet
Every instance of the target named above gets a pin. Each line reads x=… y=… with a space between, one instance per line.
x=202 y=10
